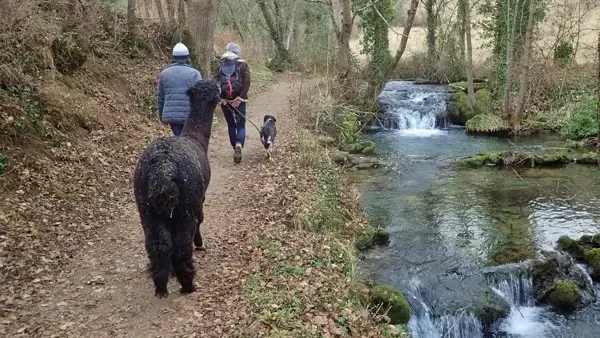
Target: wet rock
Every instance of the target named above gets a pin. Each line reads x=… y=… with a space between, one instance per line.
x=592 y=258
x=372 y=236
x=558 y=158
x=364 y=163
x=482 y=159
x=452 y=294
x=549 y=276
x=361 y=147
x=381 y=237
x=565 y=296
x=385 y=296
x=571 y=246
x=587 y=158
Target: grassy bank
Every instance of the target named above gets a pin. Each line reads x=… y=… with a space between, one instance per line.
x=303 y=278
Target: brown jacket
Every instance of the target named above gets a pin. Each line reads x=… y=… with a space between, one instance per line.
x=245 y=73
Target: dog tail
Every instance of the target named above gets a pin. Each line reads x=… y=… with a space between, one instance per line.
x=163 y=191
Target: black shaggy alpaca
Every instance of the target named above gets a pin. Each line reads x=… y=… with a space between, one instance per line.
x=170 y=184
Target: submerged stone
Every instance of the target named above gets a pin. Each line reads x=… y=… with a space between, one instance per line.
x=587 y=158
x=482 y=159
x=453 y=293
x=387 y=297
x=381 y=237
x=558 y=158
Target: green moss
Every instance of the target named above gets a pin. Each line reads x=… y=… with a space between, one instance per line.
x=381 y=236
x=565 y=296
x=587 y=158
x=488 y=159
x=483 y=102
x=570 y=246
x=365 y=239
x=68 y=52
x=553 y=159
x=486 y=123
x=458 y=109
x=388 y=297
x=570 y=144
x=592 y=258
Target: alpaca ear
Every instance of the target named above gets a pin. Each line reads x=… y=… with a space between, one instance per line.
x=274 y=119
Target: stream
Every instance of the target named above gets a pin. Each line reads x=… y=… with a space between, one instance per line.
x=445 y=221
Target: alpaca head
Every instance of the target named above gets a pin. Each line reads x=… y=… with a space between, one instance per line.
x=204 y=93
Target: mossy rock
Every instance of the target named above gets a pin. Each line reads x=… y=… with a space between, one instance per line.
x=341 y=158
x=565 y=296
x=69 y=53
x=381 y=236
x=592 y=258
x=458 y=108
x=486 y=124
x=587 y=158
x=388 y=297
x=360 y=147
x=558 y=158
x=483 y=159
x=569 y=245
x=365 y=239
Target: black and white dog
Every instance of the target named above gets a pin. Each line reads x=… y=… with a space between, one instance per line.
x=268 y=131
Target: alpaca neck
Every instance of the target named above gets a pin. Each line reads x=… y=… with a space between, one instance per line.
x=199 y=124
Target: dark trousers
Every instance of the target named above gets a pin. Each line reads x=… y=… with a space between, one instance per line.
x=236 y=124
x=176 y=128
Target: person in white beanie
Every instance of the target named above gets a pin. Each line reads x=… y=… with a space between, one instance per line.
x=173 y=83
x=233 y=74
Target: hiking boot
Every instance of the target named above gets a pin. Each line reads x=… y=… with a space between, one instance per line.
x=237 y=153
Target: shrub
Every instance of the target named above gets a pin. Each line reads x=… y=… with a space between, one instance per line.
x=68 y=53
x=486 y=123
x=583 y=120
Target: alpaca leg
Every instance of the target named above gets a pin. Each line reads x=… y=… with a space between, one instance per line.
x=198 y=240
x=182 y=259
x=159 y=246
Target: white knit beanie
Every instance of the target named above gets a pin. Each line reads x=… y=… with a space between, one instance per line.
x=180 y=50
x=234 y=48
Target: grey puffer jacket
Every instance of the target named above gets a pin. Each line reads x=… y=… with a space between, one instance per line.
x=173 y=83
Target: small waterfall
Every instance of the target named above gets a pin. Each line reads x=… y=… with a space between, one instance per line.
x=513 y=284
x=412 y=108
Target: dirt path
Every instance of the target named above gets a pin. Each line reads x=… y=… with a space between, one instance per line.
x=106 y=292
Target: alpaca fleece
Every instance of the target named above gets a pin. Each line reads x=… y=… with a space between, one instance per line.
x=170 y=183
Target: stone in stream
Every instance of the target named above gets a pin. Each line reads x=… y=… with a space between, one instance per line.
x=455 y=294
x=559 y=282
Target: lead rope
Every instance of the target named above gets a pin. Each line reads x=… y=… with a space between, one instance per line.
x=235 y=110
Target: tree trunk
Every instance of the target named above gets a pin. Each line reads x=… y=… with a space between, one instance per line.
x=469 y=52
x=431 y=27
x=598 y=99
x=509 y=57
x=161 y=12
x=131 y=23
x=412 y=11
x=524 y=73
x=202 y=21
x=171 y=13
x=342 y=21
x=181 y=13
x=282 y=58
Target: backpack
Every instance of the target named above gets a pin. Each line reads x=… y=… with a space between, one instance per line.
x=229 y=78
